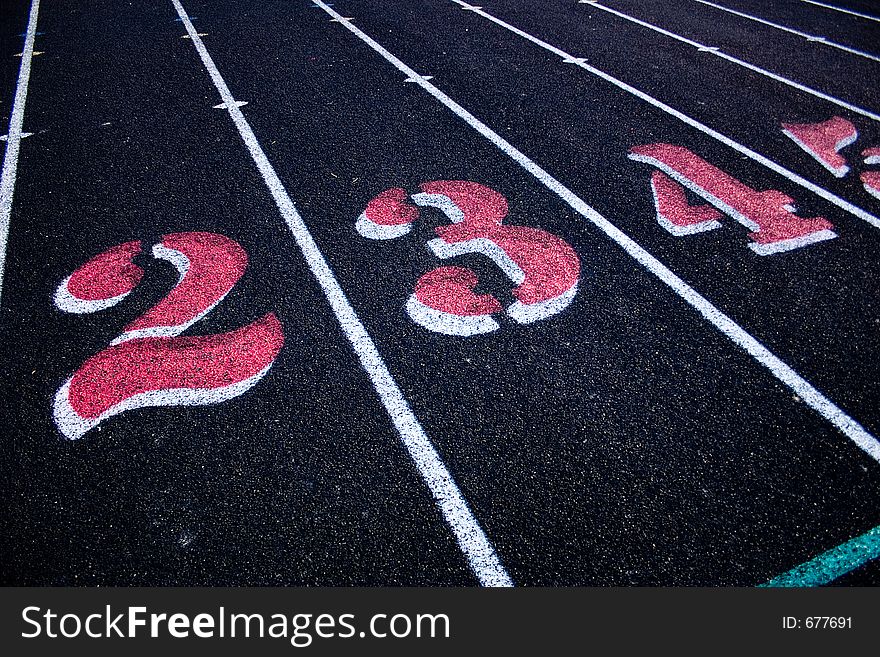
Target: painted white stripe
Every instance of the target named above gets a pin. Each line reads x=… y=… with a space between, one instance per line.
x=809 y=37
x=470 y=536
x=22 y=136
x=770 y=164
x=809 y=394
x=841 y=9
x=13 y=138
x=739 y=62
x=372 y=230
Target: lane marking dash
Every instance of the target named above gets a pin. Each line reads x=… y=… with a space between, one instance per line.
x=809 y=37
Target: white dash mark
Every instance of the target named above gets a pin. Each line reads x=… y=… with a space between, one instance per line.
x=23 y=136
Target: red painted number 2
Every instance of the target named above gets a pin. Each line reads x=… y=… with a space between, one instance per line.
x=150 y=364
x=544 y=268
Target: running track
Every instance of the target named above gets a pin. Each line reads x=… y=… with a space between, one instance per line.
x=688 y=397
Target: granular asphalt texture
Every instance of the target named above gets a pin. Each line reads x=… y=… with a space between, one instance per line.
x=622 y=440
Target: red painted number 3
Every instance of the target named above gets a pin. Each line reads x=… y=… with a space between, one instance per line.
x=544 y=268
x=150 y=364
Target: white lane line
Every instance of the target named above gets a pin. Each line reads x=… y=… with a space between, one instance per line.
x=809 y=394
x=813 y=38
x=739 y=62
x=470 y=536
x=14 y=136
x=770 y=164
x=841 y=9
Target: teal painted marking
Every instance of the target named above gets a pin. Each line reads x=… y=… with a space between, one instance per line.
x=832 y=564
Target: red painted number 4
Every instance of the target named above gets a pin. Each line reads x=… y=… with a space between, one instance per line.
x=150 y=364
x=769 y=215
